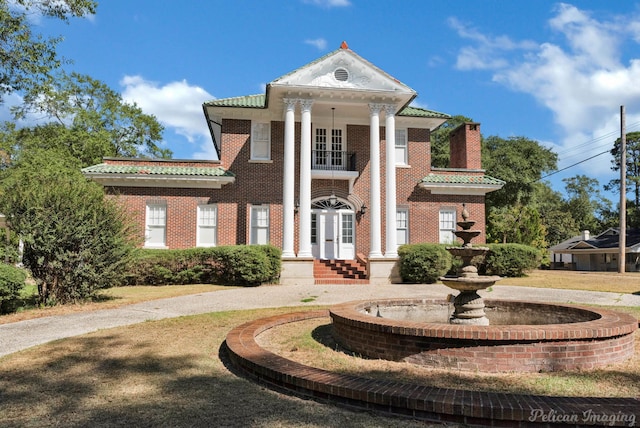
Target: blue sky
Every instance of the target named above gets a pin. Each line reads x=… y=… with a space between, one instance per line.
x=554 y=72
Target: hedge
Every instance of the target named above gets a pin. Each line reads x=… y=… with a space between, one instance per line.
x=510 y=260
x=11 y=282
x=423 y=263
x=245 y=265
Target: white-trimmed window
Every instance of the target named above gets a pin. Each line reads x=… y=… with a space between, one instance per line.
x=156 y=225
x=260 y=224
x=261 y=141
x=447 y=220
x=401 y=147
x=207 y=226
x=402 y=226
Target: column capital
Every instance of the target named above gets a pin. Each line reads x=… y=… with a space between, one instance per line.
x=374 y=108
x=390 y=109
x=306 y=104
x=290 y=103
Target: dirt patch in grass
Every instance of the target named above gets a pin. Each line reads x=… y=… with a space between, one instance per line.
x=161 y=373
x=310 y=342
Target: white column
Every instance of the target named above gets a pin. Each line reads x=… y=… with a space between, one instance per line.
x=288 y=178
x=374 y=191
x=391 y=242
x=304 y=213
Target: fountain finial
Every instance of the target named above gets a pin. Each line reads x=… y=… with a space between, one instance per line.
x=465 y=213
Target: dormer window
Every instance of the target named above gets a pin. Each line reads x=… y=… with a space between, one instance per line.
x=341 y=74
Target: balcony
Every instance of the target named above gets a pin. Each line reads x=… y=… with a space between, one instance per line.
x=334 y=165
x=327 y=160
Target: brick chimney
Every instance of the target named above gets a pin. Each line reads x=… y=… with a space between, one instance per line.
x=464 y=145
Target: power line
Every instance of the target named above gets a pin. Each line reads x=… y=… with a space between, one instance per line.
x=571 y=166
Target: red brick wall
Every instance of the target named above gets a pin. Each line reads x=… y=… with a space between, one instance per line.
x=261 y=183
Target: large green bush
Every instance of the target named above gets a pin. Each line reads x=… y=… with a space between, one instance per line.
x=232 y=265
x=76 y=242
x=510 y=260
x=11 y=282
x=423 y=263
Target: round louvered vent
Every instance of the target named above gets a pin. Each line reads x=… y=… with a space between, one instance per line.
x=341 y=75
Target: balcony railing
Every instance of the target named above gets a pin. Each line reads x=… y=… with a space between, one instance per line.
x=333 y=160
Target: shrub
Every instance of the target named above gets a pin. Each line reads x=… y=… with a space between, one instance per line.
x=511 y=260
x=11 y=282
x=423 y=263
x=232 y=265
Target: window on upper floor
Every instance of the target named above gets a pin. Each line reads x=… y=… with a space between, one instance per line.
x=260 y=224
x=207 y=226
x=156 y=225
x=401 y=147
x=261 y=141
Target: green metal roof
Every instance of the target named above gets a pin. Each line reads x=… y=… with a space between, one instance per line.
x=104 y=168
x=259 y=101
x=462 y=179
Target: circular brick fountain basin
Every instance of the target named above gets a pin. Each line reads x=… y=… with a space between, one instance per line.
x=522 y=337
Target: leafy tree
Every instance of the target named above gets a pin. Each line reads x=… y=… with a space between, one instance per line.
x=520 y=162
x=585 y=203
x=633 y=174
x=440 y=141
x=557 y=220
x=75 y=240
x=26 y=58
x=89 y=120
x=516 y=224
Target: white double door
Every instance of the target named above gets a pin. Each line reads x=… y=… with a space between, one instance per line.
x=333 y=234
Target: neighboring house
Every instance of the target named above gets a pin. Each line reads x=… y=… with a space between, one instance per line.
x=331 y=162
x=599 y=253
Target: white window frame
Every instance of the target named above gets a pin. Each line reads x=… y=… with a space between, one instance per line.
x=155 y=225
x=402 y=147
x=261 y=141
x=402 y=226
x=207 y=233
x=447 y=225
x=259 y=223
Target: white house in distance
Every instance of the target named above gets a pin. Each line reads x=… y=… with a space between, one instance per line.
x=332 y=164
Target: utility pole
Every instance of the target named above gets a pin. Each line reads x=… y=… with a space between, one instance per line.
x=623 y=194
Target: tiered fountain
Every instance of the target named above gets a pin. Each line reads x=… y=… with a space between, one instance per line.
x=469 y=306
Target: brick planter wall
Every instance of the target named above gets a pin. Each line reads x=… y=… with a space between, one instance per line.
x=606 y=337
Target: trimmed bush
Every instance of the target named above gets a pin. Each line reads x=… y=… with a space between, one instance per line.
x=11 y=282
x=423 y=263
x=231 y=265
x=510 y=260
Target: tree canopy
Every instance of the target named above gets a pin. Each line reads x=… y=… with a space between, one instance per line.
x=89 y=120
x=28 y=58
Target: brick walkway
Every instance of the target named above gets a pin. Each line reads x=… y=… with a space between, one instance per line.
x=419 y=401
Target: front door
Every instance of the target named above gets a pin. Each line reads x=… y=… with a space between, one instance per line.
x=332 y=234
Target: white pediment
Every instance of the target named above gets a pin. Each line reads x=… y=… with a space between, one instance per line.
x=342 y=69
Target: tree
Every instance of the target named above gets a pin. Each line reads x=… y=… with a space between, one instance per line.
x=75 y=240
x=520 y=162
x=27 y=59
x=89 y=120
x=440 y=141
x=633 y=171
x=585 y=203
x=557 y=220
x=516 y=224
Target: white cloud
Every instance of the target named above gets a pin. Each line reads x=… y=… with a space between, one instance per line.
x=329 y=3
x=177 y=105
x=321 y=44
x=582 y=79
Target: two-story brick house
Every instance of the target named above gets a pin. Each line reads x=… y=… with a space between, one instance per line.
x=331 y=162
